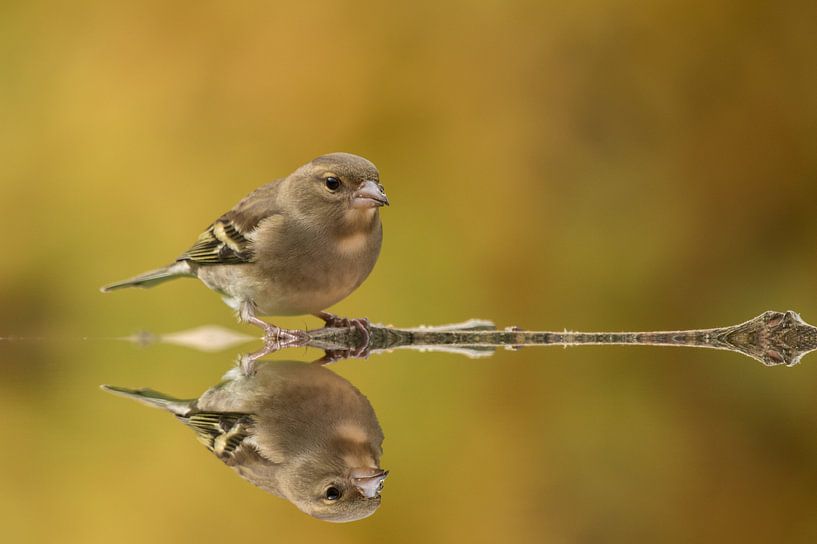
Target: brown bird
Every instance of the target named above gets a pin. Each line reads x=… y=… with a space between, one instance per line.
x=296 y=430
x=294 y=246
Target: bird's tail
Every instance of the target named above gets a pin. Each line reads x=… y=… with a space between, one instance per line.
x=153 y=398
x=153 y=277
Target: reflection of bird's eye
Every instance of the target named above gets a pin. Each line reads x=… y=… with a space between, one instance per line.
x=332 y=493
x=332 y=183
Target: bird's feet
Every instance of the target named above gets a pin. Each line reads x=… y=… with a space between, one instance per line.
x=272 y=334
x=275 y=338
x=273 y=341
x=360 y=324
x=333 y=355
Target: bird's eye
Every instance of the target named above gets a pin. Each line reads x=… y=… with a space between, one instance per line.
x=332 y=493
x=332 y=183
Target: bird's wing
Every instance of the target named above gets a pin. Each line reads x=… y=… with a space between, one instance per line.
x=227 y=240
x=223 y=433
x=221 y=243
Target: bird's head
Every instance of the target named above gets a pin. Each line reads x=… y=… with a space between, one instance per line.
x=341 y=187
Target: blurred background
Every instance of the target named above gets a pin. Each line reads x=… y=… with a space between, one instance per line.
x=589 y=165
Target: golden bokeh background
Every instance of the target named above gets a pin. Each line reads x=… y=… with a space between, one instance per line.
x=590 y=165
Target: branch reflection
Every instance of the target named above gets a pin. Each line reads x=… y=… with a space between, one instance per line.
x=772 y=338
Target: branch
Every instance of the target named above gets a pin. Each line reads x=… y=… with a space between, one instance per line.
x=773 y=338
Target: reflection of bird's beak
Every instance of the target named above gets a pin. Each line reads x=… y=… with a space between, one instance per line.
x=369 y=481
x=369 y=195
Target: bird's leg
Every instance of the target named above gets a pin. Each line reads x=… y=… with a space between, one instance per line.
x=275 y=338
x=272 y=334
x=246 y=361
x=361 y=324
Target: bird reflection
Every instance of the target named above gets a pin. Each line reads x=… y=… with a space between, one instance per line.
x=296 y=430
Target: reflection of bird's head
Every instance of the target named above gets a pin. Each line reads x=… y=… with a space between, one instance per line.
x=342 y=187
x=333 y=491
x=329 y=442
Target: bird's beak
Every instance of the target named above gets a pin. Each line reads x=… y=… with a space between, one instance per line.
x=369 y=195
x=369 y=481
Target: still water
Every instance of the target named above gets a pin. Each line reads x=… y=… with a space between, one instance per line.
x=305 y=434
x=427 y=428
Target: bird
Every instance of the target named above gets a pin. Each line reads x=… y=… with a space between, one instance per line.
x=294 y=246
x=296 y=430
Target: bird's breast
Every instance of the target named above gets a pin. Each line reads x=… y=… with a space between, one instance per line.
x=353 y=245
x=297 y=272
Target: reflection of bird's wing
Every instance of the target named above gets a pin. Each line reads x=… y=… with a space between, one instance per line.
x=223 y=433
x=227 y=240
x=229 y=435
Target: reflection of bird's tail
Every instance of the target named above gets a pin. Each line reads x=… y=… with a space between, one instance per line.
x=153 y=277
x=152 y=398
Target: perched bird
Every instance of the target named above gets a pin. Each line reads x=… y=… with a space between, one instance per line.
x=296 y=430
x=294 y=246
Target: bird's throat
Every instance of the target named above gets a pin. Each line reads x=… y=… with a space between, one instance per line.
x=360 y=219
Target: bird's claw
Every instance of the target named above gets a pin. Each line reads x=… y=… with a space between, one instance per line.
x=359 y=323
x=283 y=337
x=275 y=339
